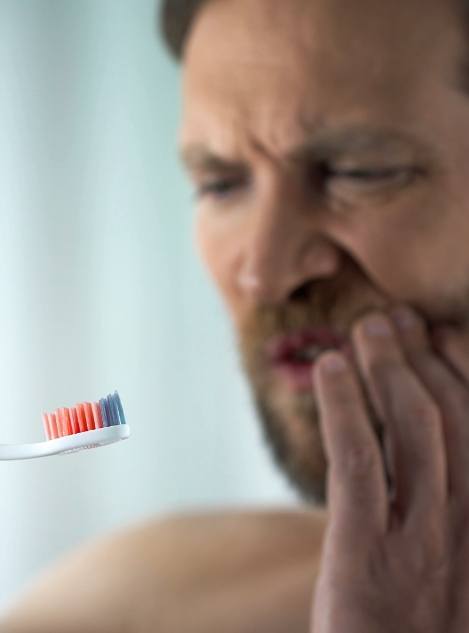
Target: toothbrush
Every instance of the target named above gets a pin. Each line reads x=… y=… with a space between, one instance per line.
x=87 y=425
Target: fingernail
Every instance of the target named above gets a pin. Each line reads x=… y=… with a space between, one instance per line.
x=377 y=325
x=404 y=318
x=333 y=362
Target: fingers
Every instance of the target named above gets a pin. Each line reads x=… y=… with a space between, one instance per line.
x=357 y=493
x=449 y=391
x=455 y=349
x=410 y=417
x=420 y=392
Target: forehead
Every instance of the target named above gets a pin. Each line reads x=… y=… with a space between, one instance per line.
x=272 y=68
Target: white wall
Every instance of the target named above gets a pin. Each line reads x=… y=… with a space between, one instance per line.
x=101 y=289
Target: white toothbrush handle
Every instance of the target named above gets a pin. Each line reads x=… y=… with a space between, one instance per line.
x=69 y=443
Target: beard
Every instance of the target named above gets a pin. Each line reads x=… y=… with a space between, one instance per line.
x=291 y=420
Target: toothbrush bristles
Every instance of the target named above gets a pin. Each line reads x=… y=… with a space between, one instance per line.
x=85 y=416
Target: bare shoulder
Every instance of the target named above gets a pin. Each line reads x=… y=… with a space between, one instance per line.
x=140 y=578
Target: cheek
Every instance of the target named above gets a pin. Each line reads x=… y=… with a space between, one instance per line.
x=218 y=249
x=413 y=252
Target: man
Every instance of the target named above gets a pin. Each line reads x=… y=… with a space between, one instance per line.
x=329 y=145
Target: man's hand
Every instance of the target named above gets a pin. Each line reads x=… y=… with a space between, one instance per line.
x=396 y=560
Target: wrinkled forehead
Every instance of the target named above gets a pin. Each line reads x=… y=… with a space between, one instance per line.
x=290 y=60
x=260 y=34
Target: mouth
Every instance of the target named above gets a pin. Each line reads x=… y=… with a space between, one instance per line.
x=293 y=357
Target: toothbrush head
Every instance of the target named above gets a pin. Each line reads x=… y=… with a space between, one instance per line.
x=86 y=416
x=87 y=425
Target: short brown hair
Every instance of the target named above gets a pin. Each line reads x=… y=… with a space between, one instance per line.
x=175 y=20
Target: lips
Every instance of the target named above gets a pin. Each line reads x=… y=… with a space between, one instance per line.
x=293 y=356
x=284 y=349
x=294 y=368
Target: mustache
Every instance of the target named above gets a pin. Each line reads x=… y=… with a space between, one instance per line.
x=335 y=303
x=338 y=303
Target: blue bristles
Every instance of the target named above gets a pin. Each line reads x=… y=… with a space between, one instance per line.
x=104 y=413
x=118 y=402
x=108 y=411
x=111 y=410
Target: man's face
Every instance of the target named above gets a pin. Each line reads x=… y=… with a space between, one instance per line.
x=329 y=142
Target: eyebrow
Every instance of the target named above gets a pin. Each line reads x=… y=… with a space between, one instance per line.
x=325 y=144
x=198 y=156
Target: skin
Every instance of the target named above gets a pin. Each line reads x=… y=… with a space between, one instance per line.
x=293 y=237
x=329 y=189
x=168 y=576
x=405 y=553
x=326 y=249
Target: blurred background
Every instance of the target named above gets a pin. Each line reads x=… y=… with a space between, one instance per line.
x=101 y=289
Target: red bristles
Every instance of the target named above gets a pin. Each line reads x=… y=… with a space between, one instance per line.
x=47 y=431
x=98 y=420
x=89 y=416
x=74 y=420
x=53 y=425
x=85 y=416
x=81 y=418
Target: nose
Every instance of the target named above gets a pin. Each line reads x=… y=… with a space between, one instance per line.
x=283 y=252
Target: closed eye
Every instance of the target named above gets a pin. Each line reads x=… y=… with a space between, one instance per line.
x=373 y=176
x=220 y=188
x=223 y=188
